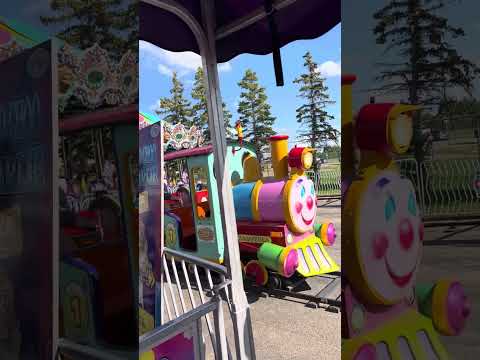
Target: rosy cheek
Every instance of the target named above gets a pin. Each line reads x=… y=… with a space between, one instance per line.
x=298 y=207
x=380 y=245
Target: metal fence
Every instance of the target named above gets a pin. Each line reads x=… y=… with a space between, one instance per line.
x=445 y=188
x=193 y=292
x=327 y=180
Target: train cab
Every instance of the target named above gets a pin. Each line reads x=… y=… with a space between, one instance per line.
x=275 y=216
x=192 y=210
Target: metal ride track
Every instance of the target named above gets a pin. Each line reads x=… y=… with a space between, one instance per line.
x=452 y=229
x=328 y=293
x=329 y=199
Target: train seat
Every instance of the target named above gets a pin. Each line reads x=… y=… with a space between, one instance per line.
x=187 y=223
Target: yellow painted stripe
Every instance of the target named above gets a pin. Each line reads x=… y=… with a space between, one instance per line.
x=311 y=241
x=319 y=260
x=407 y=326
x=254 y=200
x=14 y=32
x=308 y=259
x=439 y=307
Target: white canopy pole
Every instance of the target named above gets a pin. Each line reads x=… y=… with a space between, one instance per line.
x=239 y=304
x=205 y=36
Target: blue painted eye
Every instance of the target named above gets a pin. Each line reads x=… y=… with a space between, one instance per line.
x=412 y=207
x=302 y=192
x=389 y=208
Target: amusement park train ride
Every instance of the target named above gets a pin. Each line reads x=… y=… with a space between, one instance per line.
x=281 y=243
x=219 y=31
x=386 y=313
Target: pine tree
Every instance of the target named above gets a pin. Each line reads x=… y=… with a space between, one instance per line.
x=127 y=22
x=254 y=113
x=316 y=129
x=105 y=22
x=200 y=111
x=176 y=108
x=428 y=64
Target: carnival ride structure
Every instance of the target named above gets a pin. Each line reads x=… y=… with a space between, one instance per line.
x=276 y=217
x=97 y=193
x=387 y=314
x=219 y=31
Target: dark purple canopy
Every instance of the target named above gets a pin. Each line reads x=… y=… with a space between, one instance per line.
x=295 y=20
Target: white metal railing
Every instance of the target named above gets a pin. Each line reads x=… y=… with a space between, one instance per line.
x=445 y=188
x=327 y=180
x=193 y=290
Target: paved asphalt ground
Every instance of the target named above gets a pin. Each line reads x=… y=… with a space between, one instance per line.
x=289 y=330
x=454 y=253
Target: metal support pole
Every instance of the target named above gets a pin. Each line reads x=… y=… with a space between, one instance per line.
x=220 y=338
x=240 y=308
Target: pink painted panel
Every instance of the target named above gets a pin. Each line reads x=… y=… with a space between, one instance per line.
x=270 y=201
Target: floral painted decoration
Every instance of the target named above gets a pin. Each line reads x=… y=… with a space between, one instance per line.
x=179 y=137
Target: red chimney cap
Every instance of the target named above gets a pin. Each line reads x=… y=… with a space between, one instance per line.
x=348 y=79
x=278 y=137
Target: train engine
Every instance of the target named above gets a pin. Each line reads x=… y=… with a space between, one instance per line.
x=388 y=315
x=276 y=217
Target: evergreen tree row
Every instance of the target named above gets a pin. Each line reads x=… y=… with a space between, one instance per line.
x=254 y=111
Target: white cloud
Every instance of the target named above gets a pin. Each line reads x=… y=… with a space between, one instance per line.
x=165 y=70
x=330 y=68
x=186 y=61
x=150 y=49
x=181 y=62
x=224 y=67
x=154 y=107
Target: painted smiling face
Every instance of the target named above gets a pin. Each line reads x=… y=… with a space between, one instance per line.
x=301 y=202
x=390 y=233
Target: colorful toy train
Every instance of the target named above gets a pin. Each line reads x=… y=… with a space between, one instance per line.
x=387 y=315
x=275 y=216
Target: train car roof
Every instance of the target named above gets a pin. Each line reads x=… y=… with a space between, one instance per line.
x=114 y=116
x=199 y=151
x=204 y=150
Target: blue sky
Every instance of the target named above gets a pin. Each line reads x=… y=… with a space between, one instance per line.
x=156 y=66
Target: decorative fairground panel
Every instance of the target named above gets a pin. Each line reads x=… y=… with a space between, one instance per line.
x=150 y=226
x=28 y=192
